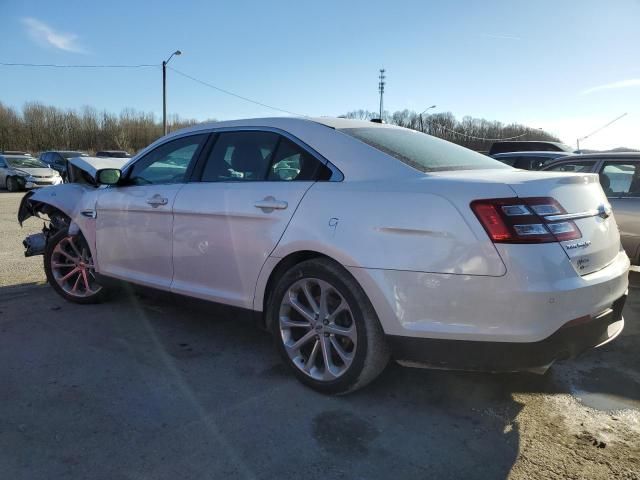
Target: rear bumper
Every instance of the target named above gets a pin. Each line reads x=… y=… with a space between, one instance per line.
x=569 y=341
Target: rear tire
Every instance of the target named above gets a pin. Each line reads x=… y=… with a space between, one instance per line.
x=325 y=328
x=68 y=265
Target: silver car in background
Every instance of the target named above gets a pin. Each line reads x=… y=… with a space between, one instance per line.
x=620 y=179
x=19 y=172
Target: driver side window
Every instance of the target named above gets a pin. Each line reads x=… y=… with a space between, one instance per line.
x=168 y=163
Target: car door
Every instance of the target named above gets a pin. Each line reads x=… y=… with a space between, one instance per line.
x=227 y=223
x=134 y=221
x=620 y=180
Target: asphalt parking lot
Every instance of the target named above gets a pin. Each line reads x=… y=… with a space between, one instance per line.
x=154 y=386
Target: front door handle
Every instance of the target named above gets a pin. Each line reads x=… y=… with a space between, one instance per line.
x=268 y=204
x=157 y=200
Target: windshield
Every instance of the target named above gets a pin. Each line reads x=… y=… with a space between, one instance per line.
x=26 y=162
x=422 y=152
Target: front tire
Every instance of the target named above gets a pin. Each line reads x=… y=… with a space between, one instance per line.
x=69 y=267
x=325 y=328
x=12 y=184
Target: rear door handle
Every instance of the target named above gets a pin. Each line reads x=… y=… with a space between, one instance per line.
x=157 y=201
x=269 y=204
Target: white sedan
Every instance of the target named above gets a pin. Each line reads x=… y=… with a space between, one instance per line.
x=354 y=242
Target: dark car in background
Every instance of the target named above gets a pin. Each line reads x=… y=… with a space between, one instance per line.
x=528 y=160
x=57 y=159
x=505 y=146
x=113 y=154
x=620 y=179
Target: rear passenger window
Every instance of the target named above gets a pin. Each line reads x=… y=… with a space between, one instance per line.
x=583 y=166
x=293 y=163
x=260 y=156
x=240 y=156
x=620 y=179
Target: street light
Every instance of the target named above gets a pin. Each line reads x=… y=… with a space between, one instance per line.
x=423 y=112
x=164 y=89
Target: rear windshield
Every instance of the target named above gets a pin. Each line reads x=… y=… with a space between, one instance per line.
x=423 y=152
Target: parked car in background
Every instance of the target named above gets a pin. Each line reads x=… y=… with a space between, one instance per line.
x=57 y=159
x=113 y=154
x=504 y=146
x=620 y=180
x=351 y=241
x=18 y=172
x=528 y=160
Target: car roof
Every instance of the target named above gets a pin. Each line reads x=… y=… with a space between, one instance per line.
x=528 y=153
x=320 y=135
x=608 y=155
x=284 y=123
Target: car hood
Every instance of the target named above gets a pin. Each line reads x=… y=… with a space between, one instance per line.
x=92 y=164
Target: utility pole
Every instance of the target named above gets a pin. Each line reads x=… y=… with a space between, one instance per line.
x=164 y=90
x=381 y=85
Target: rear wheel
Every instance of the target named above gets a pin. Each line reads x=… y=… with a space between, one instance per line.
x=326 y=329
x=12 y=184
x=69 y=267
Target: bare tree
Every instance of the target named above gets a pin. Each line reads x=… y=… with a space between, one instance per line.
x=468 y=132
x=40 y=127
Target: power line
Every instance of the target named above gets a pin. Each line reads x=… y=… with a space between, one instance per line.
x=603 y=127
x=146 y=65
x=207 y=84
x=53 y=65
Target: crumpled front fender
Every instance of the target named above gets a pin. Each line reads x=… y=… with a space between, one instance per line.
x=69 y=198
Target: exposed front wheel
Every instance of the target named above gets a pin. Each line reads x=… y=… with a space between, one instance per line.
x=326 y=329
x=69 y=267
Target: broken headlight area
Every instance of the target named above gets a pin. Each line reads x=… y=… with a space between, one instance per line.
x=54 y=222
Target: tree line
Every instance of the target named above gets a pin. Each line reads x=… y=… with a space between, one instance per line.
x=467 y=132
x=39 y=127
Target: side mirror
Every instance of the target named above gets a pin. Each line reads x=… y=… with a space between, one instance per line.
x=108 y=176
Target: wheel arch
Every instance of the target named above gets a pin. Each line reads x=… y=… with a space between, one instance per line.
x=278 y=267
x=74 y=203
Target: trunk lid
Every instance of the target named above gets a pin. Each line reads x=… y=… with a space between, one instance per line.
x=579 y=194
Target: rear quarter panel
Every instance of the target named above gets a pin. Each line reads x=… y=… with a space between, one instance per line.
x=401 y=226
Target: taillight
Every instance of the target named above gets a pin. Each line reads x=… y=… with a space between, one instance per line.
x=522 y=220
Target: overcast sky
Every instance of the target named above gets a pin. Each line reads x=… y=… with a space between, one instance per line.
x=565 y=66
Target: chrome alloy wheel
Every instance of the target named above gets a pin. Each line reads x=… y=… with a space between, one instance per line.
x=72 y=268
x=318 y=329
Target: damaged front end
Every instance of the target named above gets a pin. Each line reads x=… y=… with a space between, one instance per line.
x=70 y=206
x=55 y=221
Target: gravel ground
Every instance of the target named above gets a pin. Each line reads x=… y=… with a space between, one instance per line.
x=15 y=269
x=154 y=386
